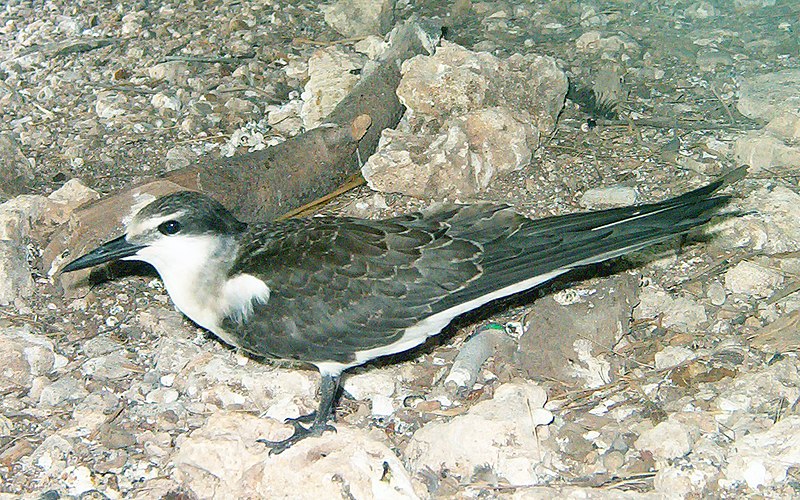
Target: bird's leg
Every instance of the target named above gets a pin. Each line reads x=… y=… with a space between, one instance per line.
x=328 y=389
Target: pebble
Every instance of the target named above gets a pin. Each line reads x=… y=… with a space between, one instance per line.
x=673 y=356
x=611 y=196
x=716 y=293
x=613 y=460
x=62 y=390
x=667 y=440
x=683 y=314
x=765 y=96
x=162 y=395
x=752 y=280
x=357 y=18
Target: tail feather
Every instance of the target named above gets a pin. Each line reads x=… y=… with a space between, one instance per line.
x=558 y=244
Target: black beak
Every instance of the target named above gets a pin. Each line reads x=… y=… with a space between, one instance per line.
x=113 y=250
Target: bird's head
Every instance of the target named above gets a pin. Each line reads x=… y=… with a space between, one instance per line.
x=170 y=233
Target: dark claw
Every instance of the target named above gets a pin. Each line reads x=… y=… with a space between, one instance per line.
x=300 y=433
x=318 y=419
x=306 y=419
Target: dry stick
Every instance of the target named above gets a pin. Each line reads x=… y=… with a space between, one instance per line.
x=693 y=125
x=724 y=104
x=314 y=206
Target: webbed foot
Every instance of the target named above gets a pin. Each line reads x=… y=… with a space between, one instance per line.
x=300 y=433
x=318 y=419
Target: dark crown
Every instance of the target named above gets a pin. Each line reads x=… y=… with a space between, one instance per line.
x=201 y=213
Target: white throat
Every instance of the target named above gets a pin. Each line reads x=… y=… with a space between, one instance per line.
x=195 y=273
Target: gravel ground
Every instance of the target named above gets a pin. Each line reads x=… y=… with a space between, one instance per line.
x=683 y=381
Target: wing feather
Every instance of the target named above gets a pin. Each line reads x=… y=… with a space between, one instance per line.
x=342 y=285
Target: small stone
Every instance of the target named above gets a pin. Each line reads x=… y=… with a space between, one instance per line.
x=613 y=460
x=23 y=357
x=132 y=23
x=700 y=10
x=51 y=455
x=92 y=412
x=593 y=41
x=285 y=118
x=115 y=438
x=785 y=126
x=240 y=111
x=113 y=366
x=365 y=207
x=72 y=195
x=605 y=197
x=332 y=74
x=164 y=103
x=356 y=18
x=770 y=224
x=515 y=414
x=6 y=425
x=764 y=457
x=64 y=389
x=582 y=320
x=668 y=440
x=167 y=380
x=382 y=406
x=371 y=46
x=15 y=169
x=588 y=41
x=179 y=157
x=14 y=273
x=680 y=313
x=709 y=59
x=372 y=383
x=110 y=104
x=162 y=395
x=763 y=150
x=573 y=443
x=673 y=481
x=100 y=345
x=672 y=356
x=765 y=96
x=716 y=293
x=752 y=280
x=78 y=480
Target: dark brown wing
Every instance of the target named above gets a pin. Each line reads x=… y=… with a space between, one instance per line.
x=341 y=286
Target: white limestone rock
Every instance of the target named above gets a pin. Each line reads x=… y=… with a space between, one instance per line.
x=682 y=314
x=504 y=433
x=763 y=97
x=764 y=458
x=222 y=460
x=332 y=75
x=753 y=280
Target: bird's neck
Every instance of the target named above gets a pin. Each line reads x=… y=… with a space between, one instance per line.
x=196 y=274
x=194 y=270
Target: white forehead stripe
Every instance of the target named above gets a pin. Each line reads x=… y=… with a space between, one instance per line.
x=141 y=226
x=140 y=200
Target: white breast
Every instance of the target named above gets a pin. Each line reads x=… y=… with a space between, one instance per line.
x=194 y=271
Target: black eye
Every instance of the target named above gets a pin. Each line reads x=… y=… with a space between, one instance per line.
x=169 y=227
